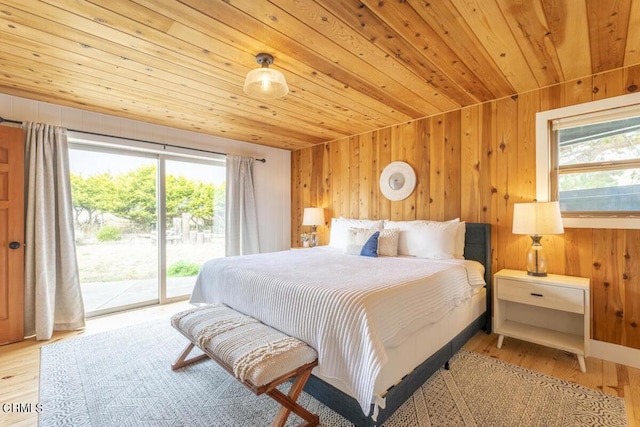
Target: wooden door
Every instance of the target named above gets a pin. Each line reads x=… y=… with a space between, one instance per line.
x=11 y=235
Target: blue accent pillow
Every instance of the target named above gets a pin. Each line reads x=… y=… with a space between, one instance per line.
x=371 y=247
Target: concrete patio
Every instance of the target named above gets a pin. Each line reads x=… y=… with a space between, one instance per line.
x=105 y=295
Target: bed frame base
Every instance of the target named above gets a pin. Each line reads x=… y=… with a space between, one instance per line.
x=349 y=408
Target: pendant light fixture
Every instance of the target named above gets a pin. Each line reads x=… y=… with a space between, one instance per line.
x=265 y=82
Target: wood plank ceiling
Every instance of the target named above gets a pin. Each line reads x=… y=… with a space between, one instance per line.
x=352 y=65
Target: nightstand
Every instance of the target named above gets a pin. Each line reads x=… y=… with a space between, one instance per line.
x=553 y=311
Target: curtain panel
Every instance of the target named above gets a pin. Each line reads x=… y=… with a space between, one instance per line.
x=241 y=223
x=53 y=298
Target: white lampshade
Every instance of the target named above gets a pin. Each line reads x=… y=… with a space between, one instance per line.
x=265 y=82
x=538 y=218
x=313 y=216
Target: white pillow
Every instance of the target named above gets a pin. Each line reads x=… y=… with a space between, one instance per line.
x=388 y=242
x=341 y=226
x=403 y=226
x=460 y=236
x=434 y=240
x=406 y=226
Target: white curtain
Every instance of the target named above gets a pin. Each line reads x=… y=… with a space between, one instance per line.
x=241 y=231
x=53 y=299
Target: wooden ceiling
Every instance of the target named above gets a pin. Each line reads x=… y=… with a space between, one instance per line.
x=351 y=65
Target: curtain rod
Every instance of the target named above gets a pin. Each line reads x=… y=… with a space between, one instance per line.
x=3 y=120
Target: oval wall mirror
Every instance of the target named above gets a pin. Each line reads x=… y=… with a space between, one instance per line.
x=397 y=181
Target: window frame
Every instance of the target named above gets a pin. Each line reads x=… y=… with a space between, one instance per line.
x=546 y=187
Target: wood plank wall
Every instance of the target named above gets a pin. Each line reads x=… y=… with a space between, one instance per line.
x=475 y=163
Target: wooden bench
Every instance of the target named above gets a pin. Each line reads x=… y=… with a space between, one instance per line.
x=257 y=355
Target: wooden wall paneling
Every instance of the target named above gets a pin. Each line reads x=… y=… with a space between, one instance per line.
x=631 y=278
x=509 y=255
x=338 y=182
x=452 y=163
x=306 y=164
x=376 y=170
x=528 y=106
x=317 y=183
x=578 y=259
x=470 y=130
x=422 y=168
x=316 y=171
x=632 y=74
x=551 y=97
x=327 y=197
x=578 y=252
x=306 y=183
x=489 y=175
x=488 y=165
x=408 y=153
x=608 y=287
x=296 y=194
x=383 y=143
x=437 y=178
x=354 y=177
x=608 y=84
x=341 y=157
x=365 y=175
x=577 y=91
x=396 y=155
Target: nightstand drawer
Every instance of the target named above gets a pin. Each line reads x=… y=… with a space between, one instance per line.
x=556 y=297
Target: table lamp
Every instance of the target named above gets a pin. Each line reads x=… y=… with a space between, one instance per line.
x=313 y=217
x=537 y=219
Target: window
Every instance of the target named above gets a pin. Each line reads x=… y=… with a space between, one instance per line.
x=588 y=159
x=144 y=221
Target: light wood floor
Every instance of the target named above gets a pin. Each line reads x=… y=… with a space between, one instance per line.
x=20 y=365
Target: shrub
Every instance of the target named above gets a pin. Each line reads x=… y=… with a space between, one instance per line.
x=109 y=233
x=183 y=269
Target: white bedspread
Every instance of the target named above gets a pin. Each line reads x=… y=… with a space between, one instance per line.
x=347 y=307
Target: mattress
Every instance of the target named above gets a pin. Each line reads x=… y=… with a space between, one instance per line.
x=405 y=357
x=351 y=309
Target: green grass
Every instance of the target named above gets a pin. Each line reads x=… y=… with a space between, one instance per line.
x=183 y=269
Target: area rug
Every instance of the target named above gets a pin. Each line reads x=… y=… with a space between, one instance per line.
x=123 y=378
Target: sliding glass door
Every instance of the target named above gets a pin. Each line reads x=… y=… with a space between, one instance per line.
x=115 y=203
x=194 y=221
x=144 y=224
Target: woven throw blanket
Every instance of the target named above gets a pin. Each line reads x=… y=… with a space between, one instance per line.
x=346 y=307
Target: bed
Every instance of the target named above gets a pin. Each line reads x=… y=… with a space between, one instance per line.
x=376 y=336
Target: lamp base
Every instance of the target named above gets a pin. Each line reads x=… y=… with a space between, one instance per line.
x=536 y=258
x=314 y=237
x=537 y=274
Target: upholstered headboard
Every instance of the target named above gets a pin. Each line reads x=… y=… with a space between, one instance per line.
x=477 y=247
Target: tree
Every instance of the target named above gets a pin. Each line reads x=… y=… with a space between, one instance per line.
x=193 y=197
x=132 y=196
x=93 y=195
x=135 y=197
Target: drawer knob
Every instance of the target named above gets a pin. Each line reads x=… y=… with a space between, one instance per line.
x=536 y=295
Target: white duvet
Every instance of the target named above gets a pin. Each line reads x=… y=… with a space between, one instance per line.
x=348 y=307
